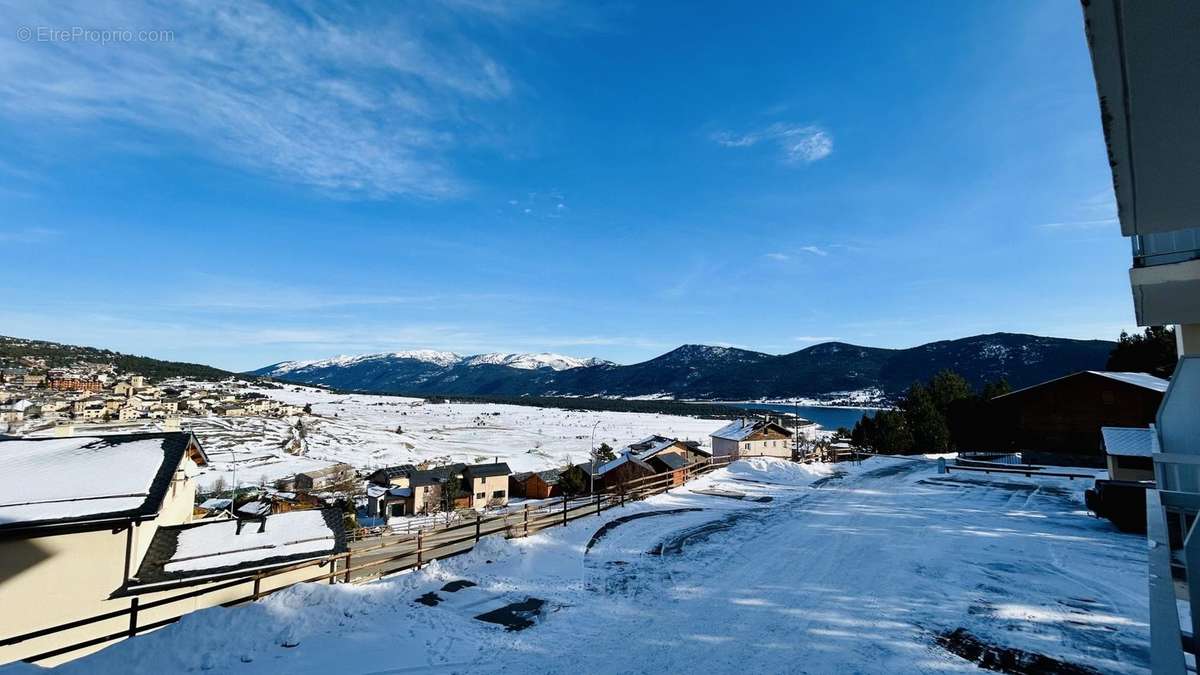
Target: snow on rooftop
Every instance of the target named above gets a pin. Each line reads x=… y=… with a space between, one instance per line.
x=1137 y=379
x=217 y=543
x=737 y=429
x=75 y=477
x=1129 y=441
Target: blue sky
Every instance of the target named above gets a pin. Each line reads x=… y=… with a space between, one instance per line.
x=296 y=181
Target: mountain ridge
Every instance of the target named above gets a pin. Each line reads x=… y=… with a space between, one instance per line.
x=709 y=372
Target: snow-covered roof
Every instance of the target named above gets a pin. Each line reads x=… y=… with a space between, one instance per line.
x=1129 y=441
x=216 y=504
x=1137 y=379
x=50 y=481
x=743 y=428
x=213 y=547
x=256 y=508
x=650 y=446
x=638 y=453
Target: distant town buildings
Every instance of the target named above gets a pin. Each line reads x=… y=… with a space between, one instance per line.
x=33 y=398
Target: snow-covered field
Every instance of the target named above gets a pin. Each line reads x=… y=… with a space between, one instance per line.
x=361 y=431
x=847 y=569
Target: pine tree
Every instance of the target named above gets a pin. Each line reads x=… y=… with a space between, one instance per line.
x=1153 y=352
x=605 y=453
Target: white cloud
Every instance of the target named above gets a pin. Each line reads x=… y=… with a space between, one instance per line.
x=800 y=144
x=327 y=96
x=1080 y=224
x=784 y=257
x=28 y=235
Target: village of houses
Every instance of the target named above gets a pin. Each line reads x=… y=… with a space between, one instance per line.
x=118 y=522
x=33 y=397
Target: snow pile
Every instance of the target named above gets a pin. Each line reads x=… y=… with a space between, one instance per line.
x=780 y=471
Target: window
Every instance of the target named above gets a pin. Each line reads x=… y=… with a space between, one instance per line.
x=745 y=446
x=480 y=495
x=498 y=494
x=398 y=509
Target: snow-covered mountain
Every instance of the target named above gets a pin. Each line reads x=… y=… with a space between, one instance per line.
x=707 y=372
x=425 y=370
x=444 y=359
x=531 y=361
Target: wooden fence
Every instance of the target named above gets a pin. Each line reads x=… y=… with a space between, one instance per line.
x=404 y=554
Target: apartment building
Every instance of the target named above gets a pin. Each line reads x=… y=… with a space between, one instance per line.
x=1144 y=56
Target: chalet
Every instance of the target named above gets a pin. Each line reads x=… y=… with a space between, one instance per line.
x=752 y=437
x=649 y=456
x=670 y=463
x=1059 y=421
x=88 y=525
x=396 y=476
x=534 y=484
x=73 y=513
x=406 y=490
x=336 y=476
x=1129 y=451
x=488 y=484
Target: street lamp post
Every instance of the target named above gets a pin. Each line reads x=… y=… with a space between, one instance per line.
x=592 y=473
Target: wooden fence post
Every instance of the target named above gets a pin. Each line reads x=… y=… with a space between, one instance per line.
x=256 y=580
x=621 y=489
x=418 y=549
x=476 y=527
x=564 y=509
x=133 y=612
x=348 y=566
x=597 y=503
x=526 y=519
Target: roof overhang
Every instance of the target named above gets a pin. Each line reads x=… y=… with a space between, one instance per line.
x=1146 y=59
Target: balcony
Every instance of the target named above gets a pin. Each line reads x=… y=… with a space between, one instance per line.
x=1166 y=277
x=1164 y=248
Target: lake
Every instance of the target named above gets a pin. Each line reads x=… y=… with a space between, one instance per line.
x=829 y=417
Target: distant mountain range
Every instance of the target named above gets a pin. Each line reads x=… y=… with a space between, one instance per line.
x=828 y=371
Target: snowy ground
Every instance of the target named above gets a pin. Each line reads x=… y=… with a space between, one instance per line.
x=361 y=430
x=846 y=569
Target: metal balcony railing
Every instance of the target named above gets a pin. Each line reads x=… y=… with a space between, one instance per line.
x=1164 y=248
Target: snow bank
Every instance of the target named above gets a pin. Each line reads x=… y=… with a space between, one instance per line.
x=774 y=470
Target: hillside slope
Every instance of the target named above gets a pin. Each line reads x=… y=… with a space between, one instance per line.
x=56 y=355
